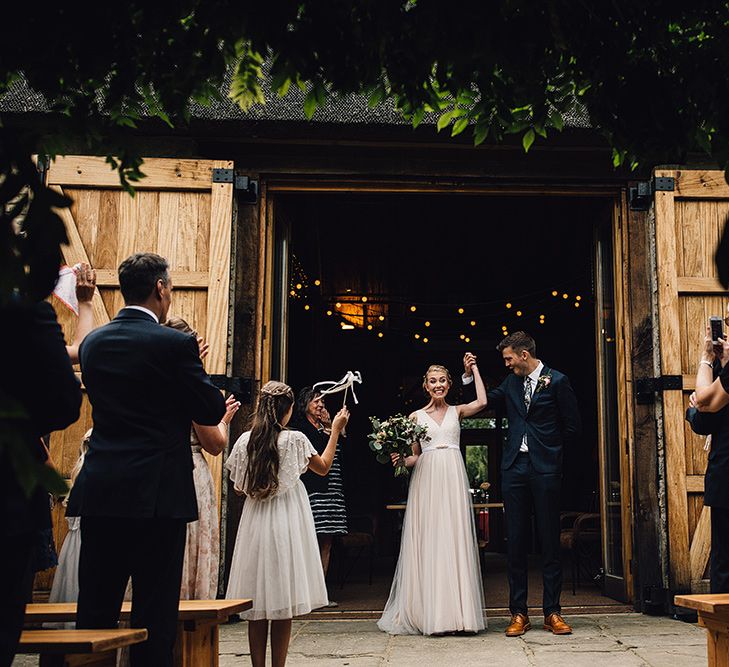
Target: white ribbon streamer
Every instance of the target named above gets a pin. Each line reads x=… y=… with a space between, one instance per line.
x=345 y=384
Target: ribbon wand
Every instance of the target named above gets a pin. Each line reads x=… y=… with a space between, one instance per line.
x=347 y=382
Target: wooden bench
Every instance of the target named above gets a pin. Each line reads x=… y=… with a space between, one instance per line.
x=197 y=625
x=713 y=611
x=65 y=648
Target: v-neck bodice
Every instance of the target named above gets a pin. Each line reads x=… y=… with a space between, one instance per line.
x=446 y=435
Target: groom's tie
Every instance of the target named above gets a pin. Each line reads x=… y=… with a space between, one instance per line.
x=527 y=392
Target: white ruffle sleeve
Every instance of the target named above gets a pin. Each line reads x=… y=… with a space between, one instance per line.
x=295 y=451
x=237 y=461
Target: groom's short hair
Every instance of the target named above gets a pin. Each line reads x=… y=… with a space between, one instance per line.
x=518 y=341
x=138 y=276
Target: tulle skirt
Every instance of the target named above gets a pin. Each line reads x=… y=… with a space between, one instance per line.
x=437 y=585
x=276 y=558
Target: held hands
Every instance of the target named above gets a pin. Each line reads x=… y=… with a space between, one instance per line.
x=231 y=407
x=469 y=362
x=340 y=420
x=85 y=282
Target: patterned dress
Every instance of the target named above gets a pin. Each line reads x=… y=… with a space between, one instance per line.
x=202 y=551
x=326 y=494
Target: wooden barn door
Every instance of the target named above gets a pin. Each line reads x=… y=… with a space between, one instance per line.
x=689 y=216
x=177 y=212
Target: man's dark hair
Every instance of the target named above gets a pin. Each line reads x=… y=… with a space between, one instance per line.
x=518 y=341
x=138 y=276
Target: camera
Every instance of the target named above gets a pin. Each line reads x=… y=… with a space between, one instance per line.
x=717 y=330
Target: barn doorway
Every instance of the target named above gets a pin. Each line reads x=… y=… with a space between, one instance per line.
x=389 y=283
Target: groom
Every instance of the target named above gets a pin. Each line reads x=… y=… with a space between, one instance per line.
x=543 y=416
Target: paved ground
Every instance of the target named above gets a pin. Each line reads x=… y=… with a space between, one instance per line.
x=624 y=640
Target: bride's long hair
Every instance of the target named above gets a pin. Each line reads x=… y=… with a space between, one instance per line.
x=261 y=476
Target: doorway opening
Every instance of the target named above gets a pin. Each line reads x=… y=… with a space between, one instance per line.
x=387 y=284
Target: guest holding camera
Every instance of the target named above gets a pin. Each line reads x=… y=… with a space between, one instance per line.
x=709 y=415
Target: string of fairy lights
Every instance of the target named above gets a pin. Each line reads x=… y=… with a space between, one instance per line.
x=381 y=314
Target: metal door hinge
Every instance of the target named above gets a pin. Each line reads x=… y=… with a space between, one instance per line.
x=246 y=187
x=641 y=194
x=223 y=175
x=647 y=388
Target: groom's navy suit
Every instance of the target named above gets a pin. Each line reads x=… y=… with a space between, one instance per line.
x=534 y=477
x=135 y=492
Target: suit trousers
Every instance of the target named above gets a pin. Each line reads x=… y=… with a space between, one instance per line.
x=719 y=567
x=16 y=584
x=151 y=552
x=523 y=487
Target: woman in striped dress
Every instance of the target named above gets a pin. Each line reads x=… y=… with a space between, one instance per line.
x=326 y=494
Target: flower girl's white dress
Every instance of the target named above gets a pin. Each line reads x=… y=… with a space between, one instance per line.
x=437 y=585
x=276 y=558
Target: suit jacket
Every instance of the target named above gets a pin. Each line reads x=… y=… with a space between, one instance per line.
x=37 y=380
x=146 y=384
x=552 y=421
x=716 y=480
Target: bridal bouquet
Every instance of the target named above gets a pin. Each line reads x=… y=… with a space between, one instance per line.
x=395 y=435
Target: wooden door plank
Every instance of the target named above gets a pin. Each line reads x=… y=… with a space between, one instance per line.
x=701 y=545
x=700 y=285
x=197 y=280
x=697 y=183
x=161 y=173
x=217 y=318
x=670 y=356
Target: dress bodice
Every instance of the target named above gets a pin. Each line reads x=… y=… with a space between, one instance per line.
x=447 y=435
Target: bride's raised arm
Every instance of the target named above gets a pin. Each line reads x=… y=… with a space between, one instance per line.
x=474 y=407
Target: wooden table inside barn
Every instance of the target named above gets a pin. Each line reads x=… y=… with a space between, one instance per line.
x=713 y=611
x=197 y=625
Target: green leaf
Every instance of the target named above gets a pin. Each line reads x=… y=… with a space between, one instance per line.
x=376 y=96
x=444 y=120
x=480 y=134
x=418 y=117
x=556 y=119
x=528 y=139
x=310 y=104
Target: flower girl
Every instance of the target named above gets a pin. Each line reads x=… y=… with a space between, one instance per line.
x=276 y=557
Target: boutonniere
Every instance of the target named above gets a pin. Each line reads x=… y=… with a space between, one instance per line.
x=543 y=382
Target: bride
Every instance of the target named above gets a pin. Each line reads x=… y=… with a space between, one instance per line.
x=437 y=586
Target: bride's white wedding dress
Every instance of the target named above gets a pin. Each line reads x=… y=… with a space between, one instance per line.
x=437 y=585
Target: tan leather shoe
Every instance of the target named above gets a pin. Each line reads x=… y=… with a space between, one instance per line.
x=556 y=624
x=518 y=626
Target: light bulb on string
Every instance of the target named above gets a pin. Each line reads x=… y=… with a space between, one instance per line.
x=425 y=340
x=518 y=313
x=417 y=336
x=298 y=285
x=413 y=309
x=462 y=336
x=473 y=323
x=369 y=327
x=307 y=307
x=577 y=304
x=467 y=339
x=578 y=298
x=380 y=334
x=292 y=292
x=508 y=305
x=364 y=299
x=317 y=282
x=381 y=318
x=329 y=313
x=565 y=296
x=337 y=305
x=427 y=323
x=460 y=311
x=555 y=293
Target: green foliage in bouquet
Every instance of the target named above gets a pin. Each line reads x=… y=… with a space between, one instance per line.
x=395 y=435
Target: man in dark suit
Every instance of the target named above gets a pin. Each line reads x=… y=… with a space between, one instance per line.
x=135 y=492
x=39 y=394
x=543 y=417
x=708 y=414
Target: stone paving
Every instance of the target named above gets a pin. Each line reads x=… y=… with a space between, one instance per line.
x=624 y=640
